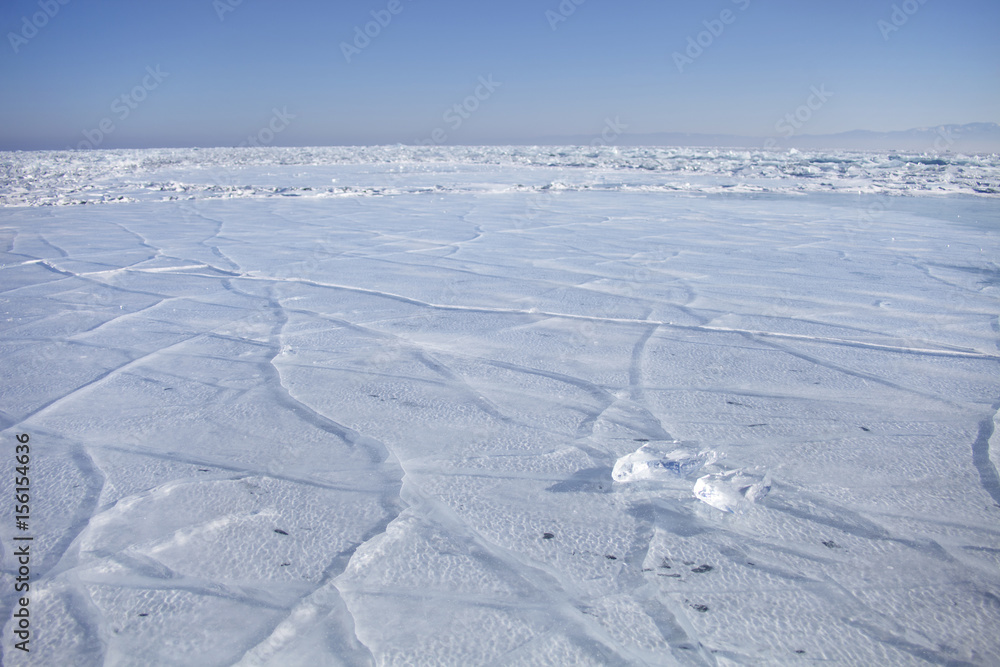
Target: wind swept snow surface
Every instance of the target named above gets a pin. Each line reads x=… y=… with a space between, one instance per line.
x=332 y=406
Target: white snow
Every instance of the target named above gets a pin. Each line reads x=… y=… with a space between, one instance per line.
x=369 y=406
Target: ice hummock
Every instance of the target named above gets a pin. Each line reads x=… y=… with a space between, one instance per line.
x=45 y=178
x=727 y=490
x=661 y=460
x=733 y=490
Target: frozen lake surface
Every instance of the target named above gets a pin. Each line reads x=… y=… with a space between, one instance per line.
x=363 y=406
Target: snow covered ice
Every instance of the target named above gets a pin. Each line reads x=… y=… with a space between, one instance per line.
x=364 y=406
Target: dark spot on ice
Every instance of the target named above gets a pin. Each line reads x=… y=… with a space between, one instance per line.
x=702 y=568
x=280 y=531
x=830 y=544
x=665 y=564
x=672 y=576
x=700 y=607
x=587 y=480
x=202 y=469
x=285 y=564
x=865 y=428
x=167 y=388
x=755 y=425
x=641 y=439
x=750 y=564
x=548 y=536
x=610 y=557
x=800 y=651
x=736 y=403
x=144 y=614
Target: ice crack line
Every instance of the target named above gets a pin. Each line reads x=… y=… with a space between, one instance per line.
x=981 y=458
x=386 y=466
x=541 y=314
x=635 y=368
x=988 y=475
x=99 y=379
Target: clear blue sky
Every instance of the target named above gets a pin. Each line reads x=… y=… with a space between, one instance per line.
x=224 y=77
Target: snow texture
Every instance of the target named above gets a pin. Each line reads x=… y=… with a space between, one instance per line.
x=369 y=406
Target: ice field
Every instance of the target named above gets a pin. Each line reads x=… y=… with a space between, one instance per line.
x=455 y=406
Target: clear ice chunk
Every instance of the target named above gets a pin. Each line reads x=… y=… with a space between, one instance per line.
x=665 y=460
x=733 y=490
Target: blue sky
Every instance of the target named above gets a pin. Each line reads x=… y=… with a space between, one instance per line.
x=121 y=73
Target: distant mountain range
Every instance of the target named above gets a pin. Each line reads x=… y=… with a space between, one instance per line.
x=968 y=138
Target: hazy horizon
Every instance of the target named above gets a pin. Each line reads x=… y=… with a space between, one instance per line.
x=203 y=73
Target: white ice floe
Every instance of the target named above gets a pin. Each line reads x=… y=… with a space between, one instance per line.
x=733 y=490
x=47 y=178
x=280 y=420
x=661 y=460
